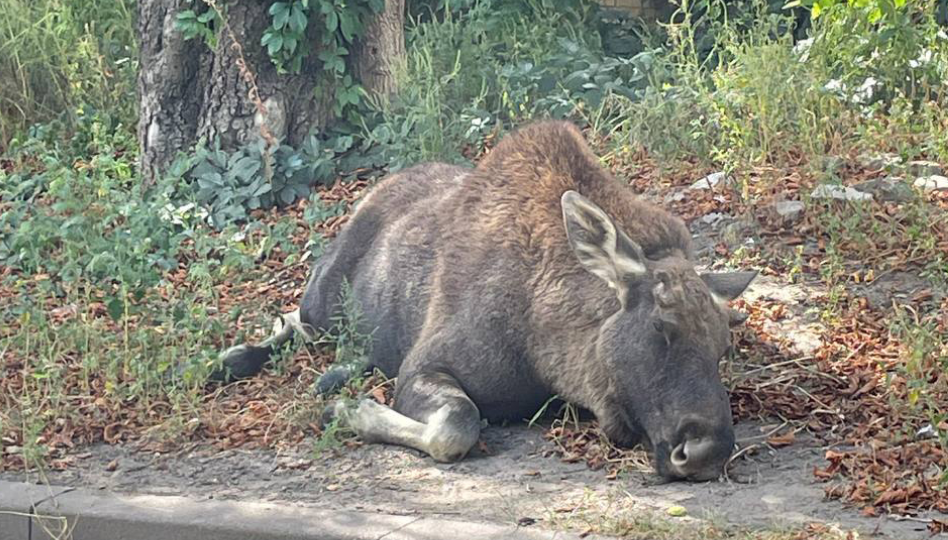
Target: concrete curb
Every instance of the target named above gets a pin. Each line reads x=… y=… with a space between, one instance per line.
x=32 y=512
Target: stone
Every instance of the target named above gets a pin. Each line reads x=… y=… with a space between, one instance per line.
x=841 y=193
x=789 y=210
x=931 y=183
x=736 y=232
x=676 y=196
x=712 y=219
x=920 y=168
x=880 y=161
x=709 y=182
x=890 y=189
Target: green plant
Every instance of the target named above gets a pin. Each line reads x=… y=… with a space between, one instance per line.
x=479 y=68
x=288 y=40
x=230 y=184
x=881 y=49
x=924 y=372
x=57 y=56
x=351 y=344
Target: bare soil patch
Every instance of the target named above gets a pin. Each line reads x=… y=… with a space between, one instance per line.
x=514 y=483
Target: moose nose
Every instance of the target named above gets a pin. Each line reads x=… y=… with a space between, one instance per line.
x=702 y=453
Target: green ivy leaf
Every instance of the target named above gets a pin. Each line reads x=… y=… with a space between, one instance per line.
x=281 y=13
x=297 y=19
x=277 y=7
x=348 y=24
x=275 y=44
x=289 y=44
x=332 y=21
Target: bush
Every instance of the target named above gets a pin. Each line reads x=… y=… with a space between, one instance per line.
x=478 y=70
x=755 y=94
x=57 y=56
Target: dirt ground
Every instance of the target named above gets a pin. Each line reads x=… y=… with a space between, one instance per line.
x=513 y=483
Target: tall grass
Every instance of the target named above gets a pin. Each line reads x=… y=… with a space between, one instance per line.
x=758 y=96
x=471 y=73
x=59 y=55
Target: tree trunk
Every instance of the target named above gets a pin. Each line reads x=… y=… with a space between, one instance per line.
x=381 y=49
x=188 y=92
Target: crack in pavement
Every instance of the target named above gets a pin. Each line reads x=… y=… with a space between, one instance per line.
x=35 y=513
x=400 y=527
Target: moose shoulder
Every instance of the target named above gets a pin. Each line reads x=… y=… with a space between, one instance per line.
x=488 y=290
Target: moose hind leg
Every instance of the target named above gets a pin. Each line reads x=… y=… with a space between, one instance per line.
x=434 y=416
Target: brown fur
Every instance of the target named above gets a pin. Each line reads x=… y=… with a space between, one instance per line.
x=478 y=302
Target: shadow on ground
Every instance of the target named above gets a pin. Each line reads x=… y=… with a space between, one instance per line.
x=513 y=483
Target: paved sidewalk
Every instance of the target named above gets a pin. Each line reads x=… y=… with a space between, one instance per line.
x=31 y=512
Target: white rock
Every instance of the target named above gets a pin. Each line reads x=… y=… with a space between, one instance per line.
x=789 y=209
x=880 y=161
x=934 y=182
x=709 y=182
x=842 y=193
x=713 y=218
x=921 y=168
x=889 y=189
x=676 y=196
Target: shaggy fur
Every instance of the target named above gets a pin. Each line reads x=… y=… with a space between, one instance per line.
x=537 y=273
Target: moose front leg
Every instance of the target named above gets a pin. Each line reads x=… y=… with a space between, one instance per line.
x=433 y=415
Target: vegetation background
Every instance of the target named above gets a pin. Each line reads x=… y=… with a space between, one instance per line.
x=118 y=294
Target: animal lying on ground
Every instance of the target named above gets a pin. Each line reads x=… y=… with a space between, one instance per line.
x=486 y=291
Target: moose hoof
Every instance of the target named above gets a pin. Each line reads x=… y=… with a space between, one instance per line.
x=238 y=362
x=331 y=381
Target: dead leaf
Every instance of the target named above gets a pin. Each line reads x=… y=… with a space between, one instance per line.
x=779 y=441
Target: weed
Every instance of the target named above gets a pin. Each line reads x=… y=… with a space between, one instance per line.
x=59 y=57
x=483 y=69
x=924 y=369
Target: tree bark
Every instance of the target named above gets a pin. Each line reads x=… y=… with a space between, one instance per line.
x=378 y=54
x=188 y=92
x=169 y=95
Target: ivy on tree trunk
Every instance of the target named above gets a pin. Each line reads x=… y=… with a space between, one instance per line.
x=189 y=90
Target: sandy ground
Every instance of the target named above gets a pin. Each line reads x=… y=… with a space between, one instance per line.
x=515 y=482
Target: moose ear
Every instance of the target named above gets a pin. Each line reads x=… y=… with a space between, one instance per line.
x=601 y=248
x=727 y=286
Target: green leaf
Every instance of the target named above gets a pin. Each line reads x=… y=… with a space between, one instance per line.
x=297 y=19
x=287 y=196
x=277 y=7
x=265 y=188
x=348 y=24
x=289 y=44
x=275 y=44
x=332 y=21
x=279 y=20
x=116 y=308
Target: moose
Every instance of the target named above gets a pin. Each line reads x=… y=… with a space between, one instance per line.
x=488 y=290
